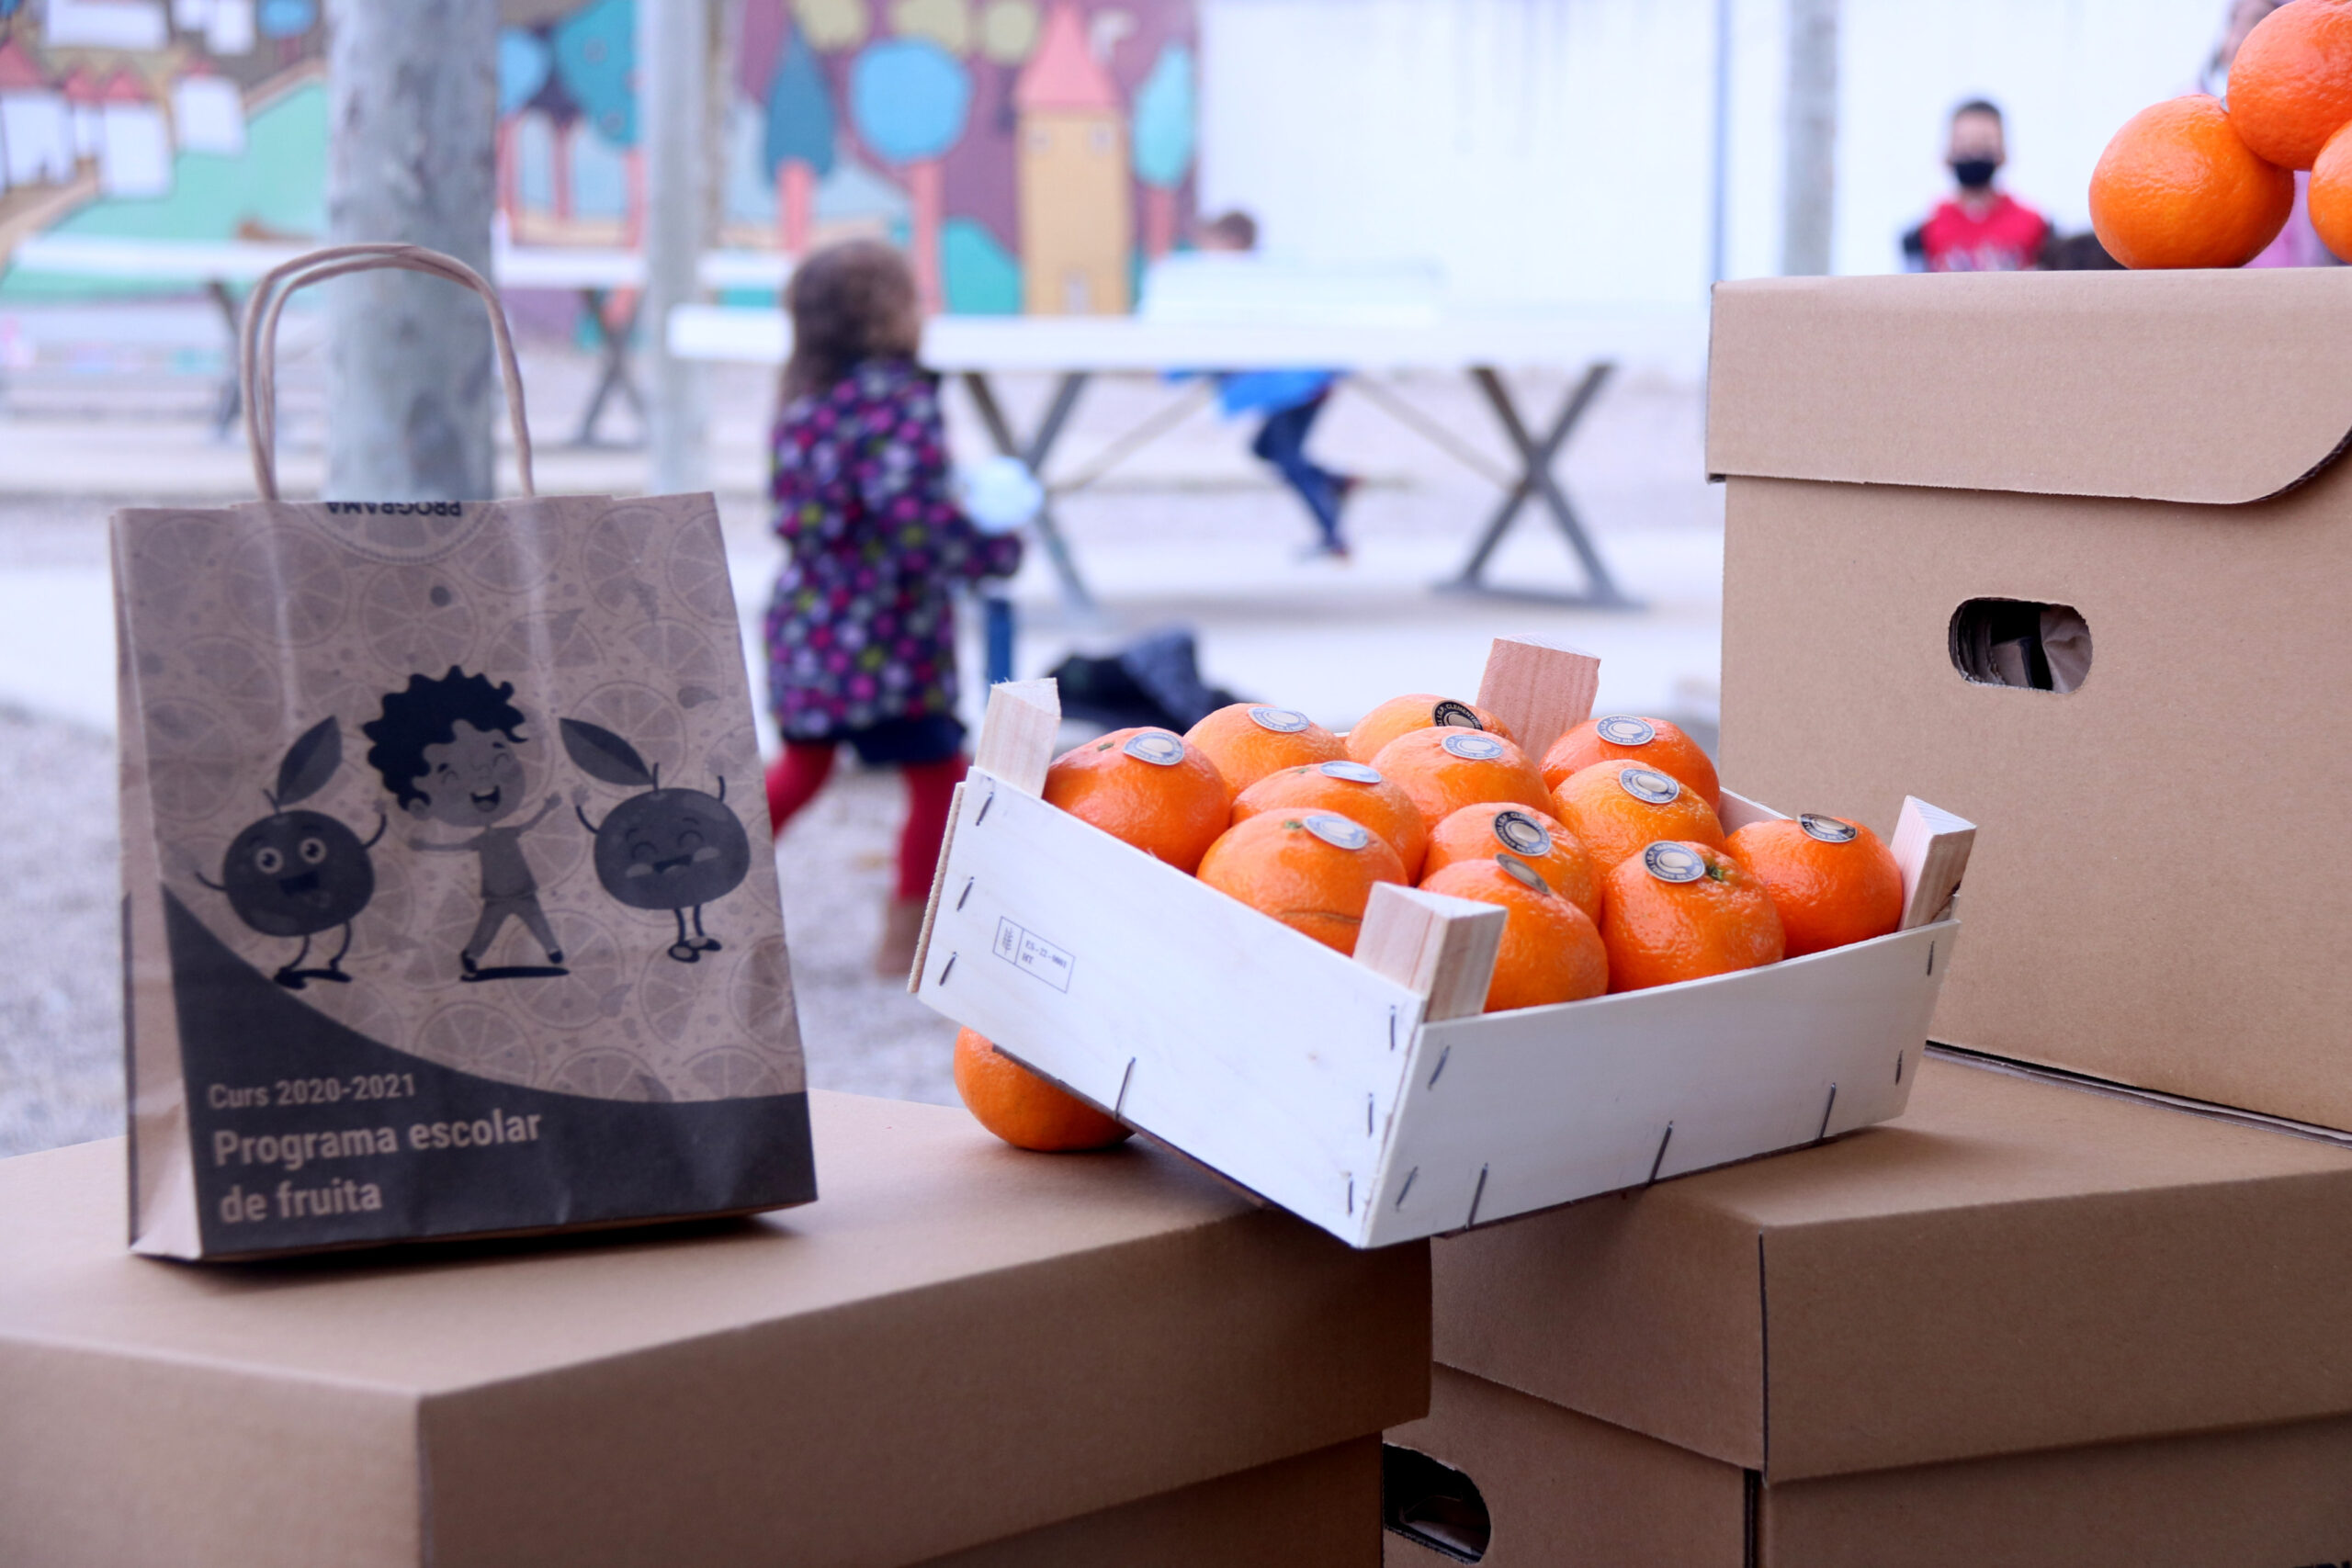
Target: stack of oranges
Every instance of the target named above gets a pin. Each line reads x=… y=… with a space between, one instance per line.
x=2193 y=182
x=1608 y=857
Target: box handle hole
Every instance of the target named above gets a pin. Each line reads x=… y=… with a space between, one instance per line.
x=2021 y=642
x=1432 y=1504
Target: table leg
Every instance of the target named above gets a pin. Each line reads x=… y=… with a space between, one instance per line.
x=613 y=369
x=1039 y=446
x=1536 y=483
x=232 y=400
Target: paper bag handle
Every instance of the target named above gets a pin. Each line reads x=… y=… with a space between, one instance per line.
x=257 y=346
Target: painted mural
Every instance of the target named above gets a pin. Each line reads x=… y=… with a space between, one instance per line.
x=1030 y=154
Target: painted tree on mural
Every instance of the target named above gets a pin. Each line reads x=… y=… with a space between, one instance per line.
x=1163 y=146
x=910 y=100
x=800 y=141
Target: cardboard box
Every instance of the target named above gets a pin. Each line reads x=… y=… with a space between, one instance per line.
x=2018 y=1305
x=958 y=1344
x=1909 y=460
x=1560 y=1490
x=1370 y=1095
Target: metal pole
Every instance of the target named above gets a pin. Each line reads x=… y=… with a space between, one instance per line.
x=1718 y=212
x=1808 y=202
x=413 y=91
x=673 y=39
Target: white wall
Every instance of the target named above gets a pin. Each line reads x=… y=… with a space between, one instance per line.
x=1561 y=150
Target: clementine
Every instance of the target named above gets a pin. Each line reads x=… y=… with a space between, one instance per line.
x=1314 y=870
x=1023 y=1108
x=1653 y=742
x=2331 y=194
x=1492 y=828
x=1831 y=879
x=1550 y=951
x=1445 y=770
x=1419 y=710
x=1147 y=787
x=1682 y=911
x=1617 y=808
x=2177 y=188
x=2291 y=85
x=1351 y=789
x=1248 y=740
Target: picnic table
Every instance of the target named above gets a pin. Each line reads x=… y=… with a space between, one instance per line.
x=1073 y=349
x=220 y=267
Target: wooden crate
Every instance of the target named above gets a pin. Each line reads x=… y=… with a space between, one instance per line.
x=1369 y=1095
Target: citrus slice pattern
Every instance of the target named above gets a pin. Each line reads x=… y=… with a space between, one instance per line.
x=287 y=586
x=698 y=574
x=731 y=1073
x=609 y=1073
x=475 y=1037
x=416 y=618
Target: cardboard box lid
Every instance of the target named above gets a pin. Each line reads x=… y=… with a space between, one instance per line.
x=958 y=1341
x=2010 y=1265
x=2216 y=387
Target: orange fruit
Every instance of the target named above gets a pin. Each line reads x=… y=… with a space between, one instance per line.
x=1551 y=951
x=1831 y=879
x=1493 y=828
x=1248 y=740
x=1147 y=787
x=1445 y=770
x=1354 y=791
x=2291 y=85
x=1617 y=808
x=1313 y=871
x=1682 y=912
x=2177 y=188
x=2331 y=194
x=1023 y=1108
x=1418 y=710
x=1654 y=741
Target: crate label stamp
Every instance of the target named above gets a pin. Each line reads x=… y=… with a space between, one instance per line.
x=1156 y=747
x=1282 y=721
x=1451 y=714
x=1355 y=773
x=1649 y=785
x=1473 y=748
x=1338 y=831
x=1828 y=829
x=1522 y=834
x=1025 y=949
x=1624 y=729
x=1670 y=862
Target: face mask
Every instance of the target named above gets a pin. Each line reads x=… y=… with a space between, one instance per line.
x=1974 y=174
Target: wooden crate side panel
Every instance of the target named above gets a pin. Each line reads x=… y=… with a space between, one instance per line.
x=1510 y=1112
x=1264 y=1054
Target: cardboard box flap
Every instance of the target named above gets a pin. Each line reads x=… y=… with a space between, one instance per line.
x=2208 y=386
x=2007 y=1267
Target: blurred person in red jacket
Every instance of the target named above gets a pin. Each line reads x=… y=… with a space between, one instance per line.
x=1977 y=228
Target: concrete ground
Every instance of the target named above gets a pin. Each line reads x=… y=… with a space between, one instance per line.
x=1189 y=531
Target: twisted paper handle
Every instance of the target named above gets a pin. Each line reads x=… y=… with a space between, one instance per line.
x=257 y=346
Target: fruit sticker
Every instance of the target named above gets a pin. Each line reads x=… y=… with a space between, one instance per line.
x=1282 y=721
x=1338 y=831
x=1828 y=829
x=296 y=874
x=665 y=848
x=1624 y=729
x=448 y=749
x=1156 y=747
x=1524 y=873
x=1451 y=714
x=1649 y=785
x=1355 y=773
x=1670 y=862
x=1522 y=834
x=1473 y=748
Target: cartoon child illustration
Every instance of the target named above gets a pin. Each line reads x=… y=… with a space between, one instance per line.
x=448 y=750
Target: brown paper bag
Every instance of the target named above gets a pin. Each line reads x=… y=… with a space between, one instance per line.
x=450 y=902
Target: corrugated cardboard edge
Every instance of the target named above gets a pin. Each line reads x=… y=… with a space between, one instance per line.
x=2146 y=386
